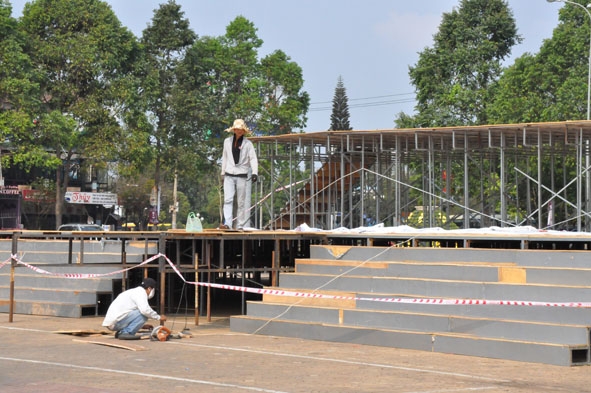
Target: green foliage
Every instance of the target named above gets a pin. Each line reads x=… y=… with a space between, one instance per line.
x=19 y=92
x=165 y=42
x=221 y=80
x=552 y=84
x=418 y=219
x=82 y=55
x=339 y=118
x=75 y=83
x=454 y=77
x=134 y=194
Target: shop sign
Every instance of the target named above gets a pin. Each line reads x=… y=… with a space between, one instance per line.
x=91 y=198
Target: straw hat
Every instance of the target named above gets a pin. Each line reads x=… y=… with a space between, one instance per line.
x=239 y=124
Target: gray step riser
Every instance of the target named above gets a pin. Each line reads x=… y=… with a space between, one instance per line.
x=439 y=289
x=87 y=257
x=304 y=314
x=482 y=328
x=442 y=272
x=50 y=295
x=578 y=277
x=558 y=334
x=46 y=282
x=518 y=351
x=425 y=254
x=542 y=314
x=559 y=277
x=35 y=308
x=108 y=246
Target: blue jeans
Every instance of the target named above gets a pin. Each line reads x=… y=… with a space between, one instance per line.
x=131 y=323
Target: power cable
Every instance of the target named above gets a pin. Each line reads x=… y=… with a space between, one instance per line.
x=366 y=105
x=366 y=98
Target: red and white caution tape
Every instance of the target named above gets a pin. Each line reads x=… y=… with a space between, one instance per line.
x=6 y=262
x=37 y=269
x=311 y=295
x=440 y=301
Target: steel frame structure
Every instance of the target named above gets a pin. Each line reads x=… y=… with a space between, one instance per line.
x=504 y=175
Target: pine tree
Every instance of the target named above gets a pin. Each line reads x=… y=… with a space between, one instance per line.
x=339 y=119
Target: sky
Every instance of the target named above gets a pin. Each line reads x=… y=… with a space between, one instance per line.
x=371 y=44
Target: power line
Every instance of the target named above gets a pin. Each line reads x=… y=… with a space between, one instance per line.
x=366 y=105
x=365 y=98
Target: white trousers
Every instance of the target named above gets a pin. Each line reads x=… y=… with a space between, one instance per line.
x=235 y=187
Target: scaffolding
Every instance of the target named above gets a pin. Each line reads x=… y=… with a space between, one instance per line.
x=474 y=176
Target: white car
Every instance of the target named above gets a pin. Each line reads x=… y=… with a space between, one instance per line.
x=81 y=227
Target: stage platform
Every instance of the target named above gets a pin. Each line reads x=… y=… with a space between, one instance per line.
x=254 y=258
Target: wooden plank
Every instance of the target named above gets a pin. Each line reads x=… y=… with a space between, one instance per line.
x=110 y=342
x=86 y=332
x=516 y=275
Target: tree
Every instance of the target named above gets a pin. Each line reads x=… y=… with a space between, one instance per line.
x=223 y=79
x=84 y=56
x=19 y=97
x=284 y=104
x=453 y=78
x=165 y=42
x=552 y=84
x=339 y=119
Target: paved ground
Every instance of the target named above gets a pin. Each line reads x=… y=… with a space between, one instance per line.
x=34 y=359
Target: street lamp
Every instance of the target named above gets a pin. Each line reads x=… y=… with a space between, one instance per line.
x=589 y=74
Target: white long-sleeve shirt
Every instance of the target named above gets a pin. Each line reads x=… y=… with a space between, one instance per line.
x=127 y=301
x=248 y=158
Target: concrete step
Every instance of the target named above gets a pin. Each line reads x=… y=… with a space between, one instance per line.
x=50 y=295
x=431 y=288
x=55 y=257
x=63 y=245
x=540 y=314
x=469 y=271
x=48 y=282
x=373 y=301
x=540 y=258
x=563 y=333
x=454 y=343
x=445 y=270
x=57 y=309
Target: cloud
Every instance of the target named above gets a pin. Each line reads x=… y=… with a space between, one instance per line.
x=408 y=31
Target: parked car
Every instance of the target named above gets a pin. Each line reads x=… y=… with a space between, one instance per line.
x=81 y=227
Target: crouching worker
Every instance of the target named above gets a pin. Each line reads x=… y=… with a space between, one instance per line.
x=130 y=310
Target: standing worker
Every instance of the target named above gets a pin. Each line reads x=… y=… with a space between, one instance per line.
x=238 y=158
x=130 y=310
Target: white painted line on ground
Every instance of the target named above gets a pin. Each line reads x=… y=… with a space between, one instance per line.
x=419 y=370
x=165 y=377
x=455 y=390
x=24 y=329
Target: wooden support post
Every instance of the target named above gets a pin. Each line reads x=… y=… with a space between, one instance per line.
x=209 y=281
x=123 y=265
x=12 y=267
x=273 y=276
x=275 y=264
x=162 y=292
x=243 y=294
x=70 y=249
x=162 y=270
x=196 y=261
x=81 y=257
